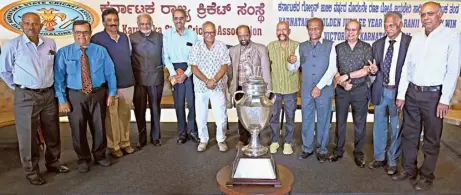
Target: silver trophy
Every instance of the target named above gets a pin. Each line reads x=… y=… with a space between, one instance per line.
x=254 y=108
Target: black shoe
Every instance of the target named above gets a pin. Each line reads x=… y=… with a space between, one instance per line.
x=83 y=167
x=423 y=184
x=156 y=142
x=304 y=155
x=58 y=169
x=141 y=145
x=334 y=157
x=376 y=164
x=360 y=162
x=403 y=176
x=181 y=140
x=391 y=170
x=322 y=158
x=35 y=179
x=104 y=162
x=194 y=137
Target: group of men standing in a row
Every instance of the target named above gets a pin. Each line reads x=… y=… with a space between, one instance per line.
x=111 y=69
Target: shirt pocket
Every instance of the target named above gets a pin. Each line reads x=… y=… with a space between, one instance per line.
x=96 y=67
x=72 y=67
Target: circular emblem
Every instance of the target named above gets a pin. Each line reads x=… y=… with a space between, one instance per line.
x=57 y=16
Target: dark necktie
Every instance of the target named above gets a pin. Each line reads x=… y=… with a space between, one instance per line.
x=388 y=61
x=86 y=75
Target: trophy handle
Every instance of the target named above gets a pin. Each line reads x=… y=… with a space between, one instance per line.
x=235 y=100
x=271 y=96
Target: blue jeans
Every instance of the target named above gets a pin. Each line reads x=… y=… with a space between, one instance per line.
x=322 y=105
x=380 y=128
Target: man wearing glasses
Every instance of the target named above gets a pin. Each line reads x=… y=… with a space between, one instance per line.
x=81 y=72
x=317 y=57
x=177 y=43
x=427 y=83
x=209 y=60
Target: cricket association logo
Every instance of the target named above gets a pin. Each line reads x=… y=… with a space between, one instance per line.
x=57 y=16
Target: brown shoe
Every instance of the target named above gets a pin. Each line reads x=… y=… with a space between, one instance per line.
x=117 y=153
x=128 y=149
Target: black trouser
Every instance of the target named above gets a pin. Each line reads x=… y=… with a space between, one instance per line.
x=29 y=107
x=244 y=134
x=357 y=99
x=183 y=91
x=421 y=106
x=154 y=95
x=88 y=110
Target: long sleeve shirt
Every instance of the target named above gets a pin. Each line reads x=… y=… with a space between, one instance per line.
x=176 y=48
x=432 y=60
x=68 y=71
x=26 y=64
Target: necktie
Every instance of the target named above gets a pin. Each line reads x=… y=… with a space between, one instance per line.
x=388 y=61
x=86 y=75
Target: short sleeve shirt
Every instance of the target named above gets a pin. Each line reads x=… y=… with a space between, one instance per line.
x=209 y=62
x=350 y=60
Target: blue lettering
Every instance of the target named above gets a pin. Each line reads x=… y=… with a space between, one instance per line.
x=372 y=22
x=411 y=23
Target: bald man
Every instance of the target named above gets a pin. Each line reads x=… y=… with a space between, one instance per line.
x=353 y=60
x=427 y=83
x=285 y=85
x=26 y=65
x=146 y=59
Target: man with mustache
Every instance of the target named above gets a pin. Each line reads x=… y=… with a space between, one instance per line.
x=26 y=65
x=119 y=47
x=285 y=85
x=82 y=72
x=427 y=83
x=148 y=71
x=209 y=60
x=177 y=43
x=353 y=59
x=246 y=55
x=317 y=57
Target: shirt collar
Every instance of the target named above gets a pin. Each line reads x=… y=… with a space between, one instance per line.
x=118 y=35
x=320 y=40
x=435 y=31
x=176 y=32
x=27 y=40
x=77 y=47
x=397 y=39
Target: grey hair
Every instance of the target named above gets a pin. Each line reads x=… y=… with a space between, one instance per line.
x=144 y=15
x=209 y=23
x=393 y=14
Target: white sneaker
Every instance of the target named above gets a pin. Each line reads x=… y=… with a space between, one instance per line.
x=287 y=149
x=202 y=146
x=273 y=147
x=222 y=146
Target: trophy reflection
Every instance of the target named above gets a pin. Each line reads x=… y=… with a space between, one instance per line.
x=253 y=164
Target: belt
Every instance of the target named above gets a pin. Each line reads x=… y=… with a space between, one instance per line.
x=93 y=90
x=389 y=86
x=425 y=88
x=34 y=90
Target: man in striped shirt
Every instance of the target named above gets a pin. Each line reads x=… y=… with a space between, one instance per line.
x=284 y=85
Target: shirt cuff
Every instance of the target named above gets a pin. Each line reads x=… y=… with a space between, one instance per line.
x=444 y=100
x=62 y=99
x=113 y=93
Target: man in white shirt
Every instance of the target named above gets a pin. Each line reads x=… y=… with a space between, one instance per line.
x=427 y=84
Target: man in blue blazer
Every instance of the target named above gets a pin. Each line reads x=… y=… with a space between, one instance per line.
x=389 y=53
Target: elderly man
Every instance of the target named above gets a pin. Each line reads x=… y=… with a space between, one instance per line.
x=209 y=60
x=427 y=84
x=177 y=43
x=389 y=53
x=148 y=71
x=317 y=57
x=353 y=57
x=246 y=55
x=119 y=48
x=285 y=85
x=82 y=71
x=26 y=65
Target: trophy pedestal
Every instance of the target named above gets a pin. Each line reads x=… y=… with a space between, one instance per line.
x=260 y=170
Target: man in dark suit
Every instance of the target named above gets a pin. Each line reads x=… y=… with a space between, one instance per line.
x=389 y=55
x=147 y=63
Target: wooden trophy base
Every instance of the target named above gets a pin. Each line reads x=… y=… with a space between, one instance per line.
x=260 y=170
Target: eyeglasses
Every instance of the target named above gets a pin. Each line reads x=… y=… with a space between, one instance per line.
x=82 y=33
x=209 y=33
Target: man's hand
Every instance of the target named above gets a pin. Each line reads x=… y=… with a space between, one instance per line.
x=399 y=104
x=111 y=100
x=342 y=78
x=64 y=107
x=316 y=92
x=348 y=86
x=442 y=110
x=372 y=68
x=292 y=59
x=210 y=84
x=181 y=78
